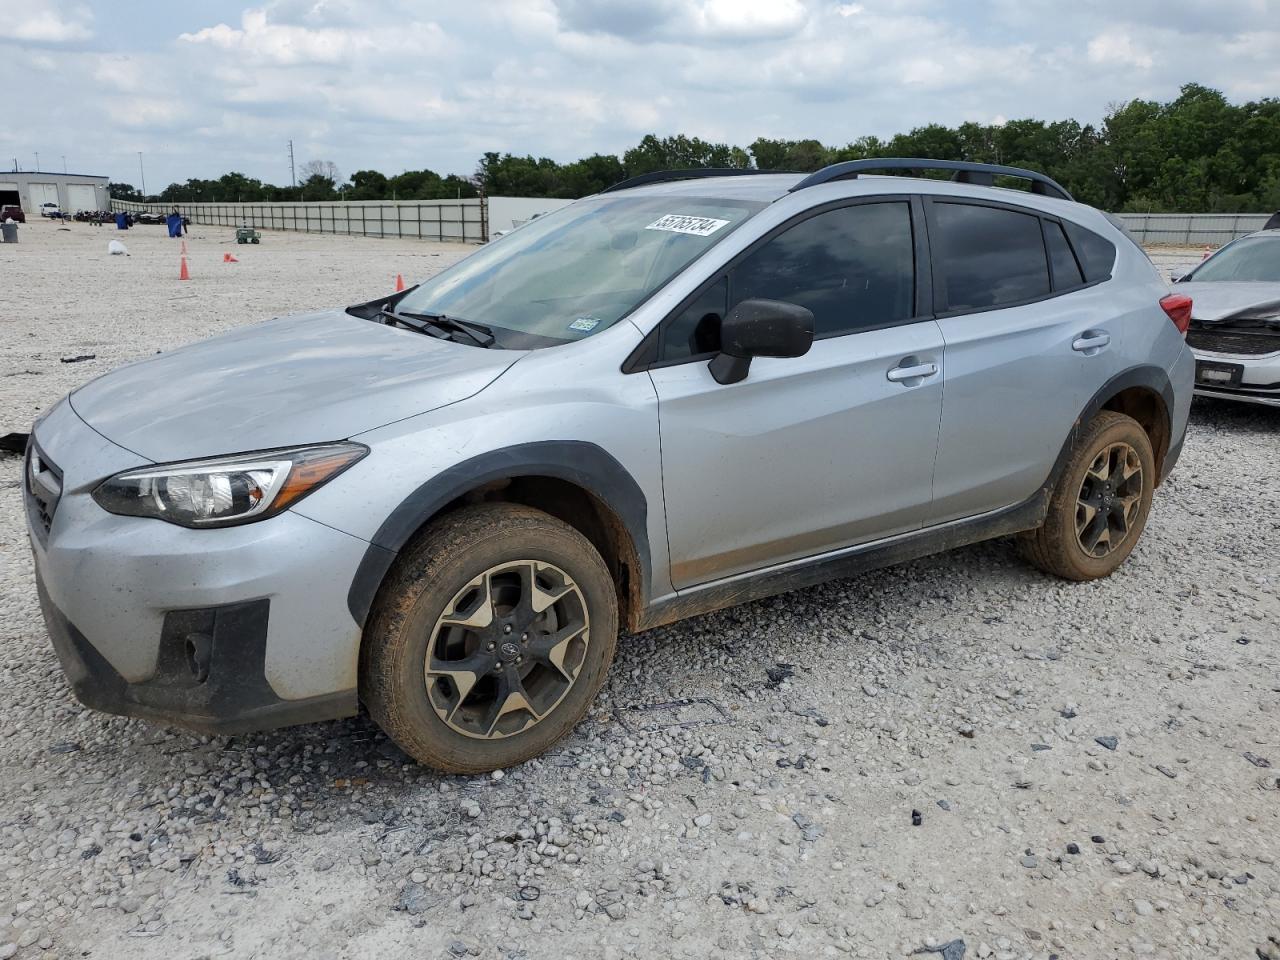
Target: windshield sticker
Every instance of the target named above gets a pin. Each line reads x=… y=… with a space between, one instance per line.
x=694 y=226
x=585 y=324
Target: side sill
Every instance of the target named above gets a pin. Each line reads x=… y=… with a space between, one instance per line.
x=860 y=559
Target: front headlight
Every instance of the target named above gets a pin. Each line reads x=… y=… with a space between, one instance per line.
x=223 y=491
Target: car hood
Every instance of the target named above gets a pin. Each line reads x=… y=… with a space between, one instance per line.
x=303 y=379
x=1214 y=301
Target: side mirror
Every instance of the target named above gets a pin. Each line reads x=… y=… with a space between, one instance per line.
x=760 y=328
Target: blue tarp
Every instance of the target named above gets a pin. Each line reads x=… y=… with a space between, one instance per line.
x=175 y=224
x=122 y=221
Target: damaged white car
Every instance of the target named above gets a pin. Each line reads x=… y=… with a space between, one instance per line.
x=1235 y=325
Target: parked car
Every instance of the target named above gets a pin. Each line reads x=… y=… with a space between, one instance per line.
x=158 y=219
x=683 y=393
x=50 y=210
x=12 y=212
x=1235 y=325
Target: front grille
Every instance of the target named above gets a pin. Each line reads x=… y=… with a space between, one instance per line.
x=1240 y=343
x=42 y=484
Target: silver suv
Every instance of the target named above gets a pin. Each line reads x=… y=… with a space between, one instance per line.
x=686 y=392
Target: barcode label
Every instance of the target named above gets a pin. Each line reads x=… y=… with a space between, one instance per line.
x=694 y=226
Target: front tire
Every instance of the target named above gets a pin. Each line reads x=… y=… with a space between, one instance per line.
x=1099 y=507
x=489 y=639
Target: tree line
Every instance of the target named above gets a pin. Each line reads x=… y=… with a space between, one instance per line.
x=1196 y=153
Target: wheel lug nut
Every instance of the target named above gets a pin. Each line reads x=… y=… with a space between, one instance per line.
x=491 y=645
x=524 y=638
x=507 y=628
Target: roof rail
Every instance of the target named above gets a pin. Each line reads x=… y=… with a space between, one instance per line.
x=982 y=174
x=692 y=173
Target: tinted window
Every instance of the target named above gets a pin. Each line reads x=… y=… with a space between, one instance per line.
x=696 y=329
x=987 y=256
x=854 y=267
x=1066 y=272
x=1096 y=255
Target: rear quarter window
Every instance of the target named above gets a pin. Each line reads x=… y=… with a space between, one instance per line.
x=1097 y=255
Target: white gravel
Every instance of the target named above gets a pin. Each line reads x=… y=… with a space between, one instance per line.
x=768 y=816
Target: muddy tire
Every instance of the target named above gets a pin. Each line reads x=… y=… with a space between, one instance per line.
x=1100 y=505
x=489 y=639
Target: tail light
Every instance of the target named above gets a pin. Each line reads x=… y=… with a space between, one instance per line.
x=1178 y=308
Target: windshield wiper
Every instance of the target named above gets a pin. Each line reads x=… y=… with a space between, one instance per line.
x=481 y=335
x=428 y=323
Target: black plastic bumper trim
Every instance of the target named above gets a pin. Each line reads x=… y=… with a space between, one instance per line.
x=233 y=697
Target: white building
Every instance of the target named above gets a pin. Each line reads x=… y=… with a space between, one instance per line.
x=70 y=191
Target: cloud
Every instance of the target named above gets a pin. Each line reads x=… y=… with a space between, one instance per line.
x=684 y=21
x=749 y=19
x=379 y=84
x=1116 y=46
x=44 y=21
x=285 y=43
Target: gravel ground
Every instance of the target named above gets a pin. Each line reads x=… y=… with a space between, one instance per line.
x=955 y=749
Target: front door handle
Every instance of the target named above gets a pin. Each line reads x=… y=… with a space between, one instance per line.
x=1090 y=342
x=911 y=370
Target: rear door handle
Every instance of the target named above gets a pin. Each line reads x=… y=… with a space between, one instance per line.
x=1090 y=342
x=915 y=371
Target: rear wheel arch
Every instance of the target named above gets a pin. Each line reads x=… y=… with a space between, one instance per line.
x=1148 y=407
x=577 y=482
x=1144 y=393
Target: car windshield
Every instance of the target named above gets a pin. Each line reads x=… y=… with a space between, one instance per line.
x=579 y=270
x=1253 y=258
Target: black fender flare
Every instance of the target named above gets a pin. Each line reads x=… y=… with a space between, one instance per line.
x=1153 y=378
x=583 y=464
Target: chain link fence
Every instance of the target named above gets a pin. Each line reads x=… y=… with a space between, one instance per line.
x=464 y=221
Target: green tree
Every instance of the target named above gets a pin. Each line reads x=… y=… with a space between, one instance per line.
x=317 y=187
x=124 y=191
x=368 y=185
x=681 y=153
x=1198 y=152
x=799 y=155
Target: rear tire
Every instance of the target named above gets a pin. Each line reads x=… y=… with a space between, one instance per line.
x=489 y=639
x=1099 y=508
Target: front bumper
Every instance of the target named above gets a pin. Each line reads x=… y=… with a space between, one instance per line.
x=223 y=630
x=209 y=673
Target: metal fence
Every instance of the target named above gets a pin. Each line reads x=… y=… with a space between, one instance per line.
x=465 y=221
x=1191 y=229
x=468 y=221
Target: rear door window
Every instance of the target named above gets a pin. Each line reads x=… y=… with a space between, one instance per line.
x=1066 y=271
x=987 y=257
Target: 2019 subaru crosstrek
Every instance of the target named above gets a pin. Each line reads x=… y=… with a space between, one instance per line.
x=685 y=392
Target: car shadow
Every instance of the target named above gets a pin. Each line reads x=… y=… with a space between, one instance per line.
x=1229 y=416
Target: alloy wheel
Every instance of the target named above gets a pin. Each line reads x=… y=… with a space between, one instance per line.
x=507 y=649
x=1110 y=499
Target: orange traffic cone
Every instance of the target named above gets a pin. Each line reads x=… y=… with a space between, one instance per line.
x=399 y=283
x=184 y=273
x=183 y=251
x=228 y=258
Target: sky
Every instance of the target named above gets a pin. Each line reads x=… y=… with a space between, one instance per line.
x=207 y=87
